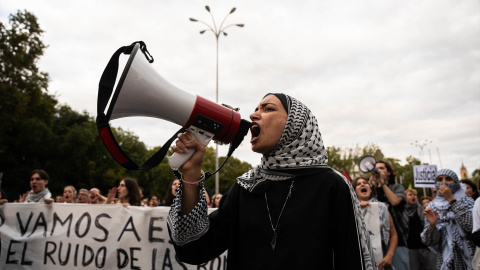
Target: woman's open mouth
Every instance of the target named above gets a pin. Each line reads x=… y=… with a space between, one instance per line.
x=255 y=130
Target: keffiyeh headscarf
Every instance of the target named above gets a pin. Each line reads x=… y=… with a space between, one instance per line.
x=38 y=197
x=451 y=232
x=301 y=146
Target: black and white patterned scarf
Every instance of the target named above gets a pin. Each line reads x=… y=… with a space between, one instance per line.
x=301 y=146
x=38 y=197
x=449 y=228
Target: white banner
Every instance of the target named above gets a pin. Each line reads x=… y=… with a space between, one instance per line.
x=83 y=236
x=424 y=175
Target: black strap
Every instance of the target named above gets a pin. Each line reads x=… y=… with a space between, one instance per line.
x=105 y=90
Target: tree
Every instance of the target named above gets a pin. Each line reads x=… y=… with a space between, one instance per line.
x=27 y=109
x=349 y=159
x=476 y=175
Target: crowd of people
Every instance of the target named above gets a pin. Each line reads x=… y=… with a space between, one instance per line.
x=127 y=193
x=427 y=233
x=294 y=212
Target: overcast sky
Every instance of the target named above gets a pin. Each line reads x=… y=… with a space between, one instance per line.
x=373 y=71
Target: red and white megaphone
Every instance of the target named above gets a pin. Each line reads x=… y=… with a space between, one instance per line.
x=143 y=92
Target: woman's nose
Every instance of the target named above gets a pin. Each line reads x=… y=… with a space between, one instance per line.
x=254 y=116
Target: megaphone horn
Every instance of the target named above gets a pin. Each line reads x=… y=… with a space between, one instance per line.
x=367 y=164
x=141 y=91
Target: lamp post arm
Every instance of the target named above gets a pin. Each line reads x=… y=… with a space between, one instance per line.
x=208 y=26
x=223 y=22
x=214 y=25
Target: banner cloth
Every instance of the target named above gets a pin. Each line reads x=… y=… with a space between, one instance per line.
x=84 y=236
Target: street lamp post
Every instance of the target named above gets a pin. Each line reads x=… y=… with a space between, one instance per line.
x=217 y=32
x=421 y=145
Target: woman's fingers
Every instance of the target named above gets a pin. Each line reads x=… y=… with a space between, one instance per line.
x=183 y=143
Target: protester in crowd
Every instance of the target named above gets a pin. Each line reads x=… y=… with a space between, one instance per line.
x=171 y=192
x=96 y=197
x=425 y=200
x=448 y=229
x=383 y=235
x=472 y=189
x=421 y=258
x=216 y=200
x=69 y=194
x=145 y=202
x=153 y=201
x=290 y=212
x=476 y=234
x=128 y=193
x=141 y=190
x=392 y=194
x=39 y=191
x=59 y=199
x=3 y=197
x=83 y=196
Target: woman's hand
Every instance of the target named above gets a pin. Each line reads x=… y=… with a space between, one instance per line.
x=431 y=216
x=364 y=204
x=386 y=261
x=111 y=195
x=192 y=168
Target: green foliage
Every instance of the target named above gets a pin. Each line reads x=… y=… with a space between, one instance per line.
x=476 y=175
x=348 y=159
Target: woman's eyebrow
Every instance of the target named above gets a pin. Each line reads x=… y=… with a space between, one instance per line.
x=267 y=103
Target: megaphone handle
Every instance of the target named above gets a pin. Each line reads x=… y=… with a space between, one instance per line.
x=177 y=160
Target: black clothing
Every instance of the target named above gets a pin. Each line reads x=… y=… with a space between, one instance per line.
x=399 y=215
x=317 y=229
x=415 y=228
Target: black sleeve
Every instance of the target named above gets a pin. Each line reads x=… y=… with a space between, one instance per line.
x=215 y=241
x=345 y=241
x=476 y=238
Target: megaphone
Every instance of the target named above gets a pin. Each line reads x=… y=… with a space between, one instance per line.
x=141 y=91
x=367 y=164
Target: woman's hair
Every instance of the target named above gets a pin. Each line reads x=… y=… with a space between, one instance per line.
x=133 y=191
x=168 y=199
x=2 y=194
x=43 y=174
x=74 y=192
x=355 y=183
x=472 y=186
x=213 y=200
x=426 y=197
x=391 y=177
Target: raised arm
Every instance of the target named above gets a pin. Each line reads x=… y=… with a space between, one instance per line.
x=191 y=170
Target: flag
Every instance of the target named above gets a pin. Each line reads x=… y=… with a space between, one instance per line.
x=410 y=186
x=345 y=173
